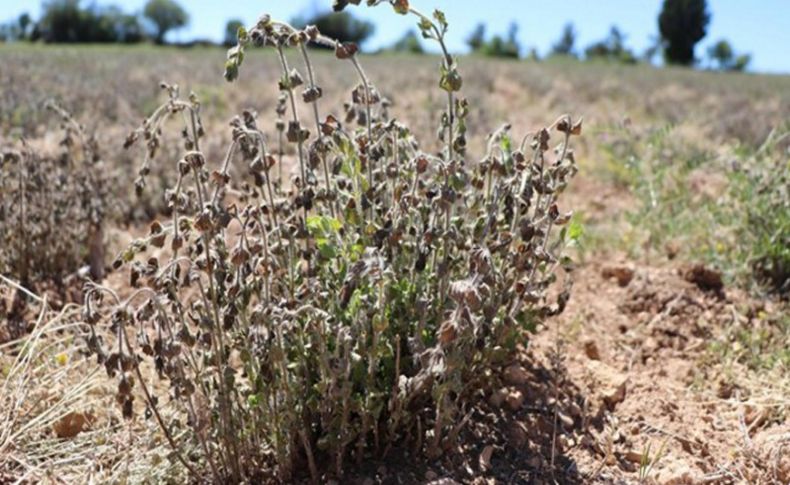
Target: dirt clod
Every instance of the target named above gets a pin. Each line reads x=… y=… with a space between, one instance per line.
x=612 y=383
x=591 y=350
x=704 y=277
x=623 y=274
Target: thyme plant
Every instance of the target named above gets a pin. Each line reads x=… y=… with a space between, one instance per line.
x=307 y=322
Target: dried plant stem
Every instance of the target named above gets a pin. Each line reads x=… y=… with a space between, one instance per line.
x=366 y=86
x=225 y=402
x=311 y=79
x=295 y=117
x=152 y=405
x=21 y=288
x=124 y=338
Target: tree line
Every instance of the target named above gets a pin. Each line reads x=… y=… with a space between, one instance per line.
x=682 y=24
x=68 y=21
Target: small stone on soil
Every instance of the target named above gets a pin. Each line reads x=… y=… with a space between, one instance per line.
x=485 y=458
x=633 y=456
x=498 y=397
x=612 y=382
x=516 y=375
x=515 y=400
x=517 y=435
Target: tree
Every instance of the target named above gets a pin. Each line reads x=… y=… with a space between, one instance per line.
x=721 y=52
x=507 y=47
x=129 y=29
x=653 y=48
x=67 y=21
x=611 y=48
x=62 y=21
x=512 y=48
x=724 y=56
x=741 y=62
x=340 y=26
x=232 y=32
x=682 y=23
x=410 y=42
x=565 y=45
x=166 y=15
x=477 y=38
x=25 y=22
x=498 y=46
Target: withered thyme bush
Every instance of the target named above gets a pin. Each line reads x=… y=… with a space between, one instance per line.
x=52 y=209
x=357 y=307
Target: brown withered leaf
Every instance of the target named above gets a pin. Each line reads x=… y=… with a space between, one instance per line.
x=345 y=50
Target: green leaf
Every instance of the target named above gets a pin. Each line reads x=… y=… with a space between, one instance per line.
x=231 y=70
x=242 y=35
x=326 y=248
x=450 y=79
x=425 y=26
x=575 y=230
x=323 y=226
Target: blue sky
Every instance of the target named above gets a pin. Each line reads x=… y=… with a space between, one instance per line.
x=760 y=27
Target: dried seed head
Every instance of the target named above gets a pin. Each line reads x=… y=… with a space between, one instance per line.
x=312 y=32
x=345 y=50
x=195 y=159
x=311 y=94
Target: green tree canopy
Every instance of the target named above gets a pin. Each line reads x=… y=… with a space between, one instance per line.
x=165 y=15
x=565 y=45
x=341 y=26
x=410 y=42
x=498 y=46
x=611 y=48
x=231 y=32
x=477 y=38
x=725 y=58
x=682 y=23
x=68 y=21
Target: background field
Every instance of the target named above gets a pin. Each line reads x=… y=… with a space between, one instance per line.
x=704 y=372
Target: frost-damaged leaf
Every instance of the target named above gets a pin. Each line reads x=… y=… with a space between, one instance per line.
x=345 y=50
x=339 y=5
x=401 y=6
x=575 y=129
